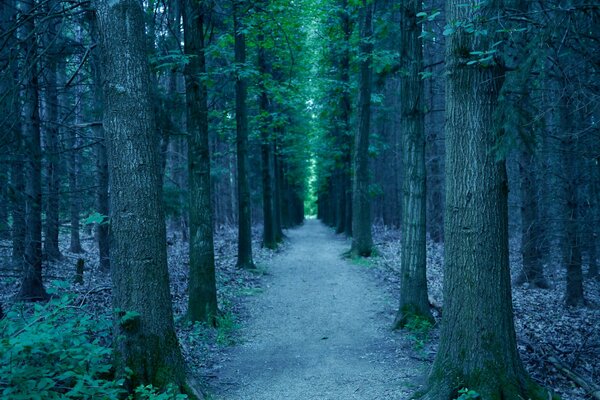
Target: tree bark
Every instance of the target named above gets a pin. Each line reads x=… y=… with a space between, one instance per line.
x=269 y=239
x=478 y=346
x=362 y=241
x=202 y=304
x=241 y=117
x=50 y=101
x=102 y=197
x=73 y=165
x=413 y=278
x=572 y=255
x=144 y=326
x=32 y=288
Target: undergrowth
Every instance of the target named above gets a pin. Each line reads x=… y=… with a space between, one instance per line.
x=419 y=329
x=57 y=350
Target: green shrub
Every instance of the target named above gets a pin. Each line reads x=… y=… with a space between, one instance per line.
x=58 y=351
x=419 y=328
x=467 y=394
x=55 y=351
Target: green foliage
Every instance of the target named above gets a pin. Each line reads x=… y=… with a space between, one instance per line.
x=150 y=392
x=467 y=394
x=55 y=351
x=96 y=218
x=226 y=327
x=58 y=351
x=419 y=328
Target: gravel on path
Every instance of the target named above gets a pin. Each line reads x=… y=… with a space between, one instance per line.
x=319 y=330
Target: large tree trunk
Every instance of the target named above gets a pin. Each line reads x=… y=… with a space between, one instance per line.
x=32 y=287
x=362 y=241
x=478 y=346
x=241 y=117
x=144 y=324
x=202 y=289
x=413 y=278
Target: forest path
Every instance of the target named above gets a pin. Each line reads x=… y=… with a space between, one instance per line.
x=320 y=330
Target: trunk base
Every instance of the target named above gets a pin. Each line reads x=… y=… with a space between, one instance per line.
x=488 y=389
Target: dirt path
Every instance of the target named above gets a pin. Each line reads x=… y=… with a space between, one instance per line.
x=320 y=330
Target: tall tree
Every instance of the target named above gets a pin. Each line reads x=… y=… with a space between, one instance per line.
x=269 y=239
x=478 y=346
x=362 y=241
x=147 y=343
x=241 y=117
x=102 y=197
x=202 y=305
x=51 y=117
x=32 y=287
x=413 y=277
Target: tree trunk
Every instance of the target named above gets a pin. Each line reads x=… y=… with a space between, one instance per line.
x=102 y=198
x=50 y=100
x=144 y=318
x=17 y=179
x=241 y=117
x=346 y=106
x=532 y=271
x=269 y=240
x=572 y=254
x=202 y=304
x=277 y=193
x=362 y=241
x=413 y=278
x=478 y=346
x=73 y=165
x=32 y=288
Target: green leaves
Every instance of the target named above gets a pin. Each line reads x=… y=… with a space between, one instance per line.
x=96 y=218
x=467 y=394
x=54 y=351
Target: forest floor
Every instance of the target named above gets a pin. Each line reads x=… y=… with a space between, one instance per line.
x=310 y=324
x=320 y=330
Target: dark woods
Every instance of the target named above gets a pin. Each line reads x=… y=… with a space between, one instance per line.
x=128 y=126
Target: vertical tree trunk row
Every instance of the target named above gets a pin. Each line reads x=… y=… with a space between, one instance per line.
x=362 y=241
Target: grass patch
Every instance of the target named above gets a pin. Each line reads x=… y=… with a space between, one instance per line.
x=418 y=329
x=227 y=325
